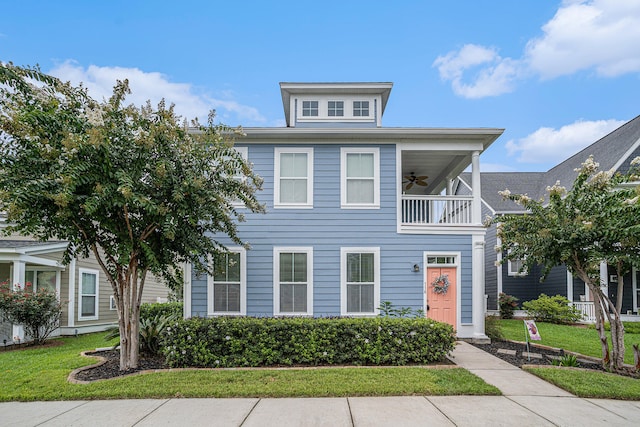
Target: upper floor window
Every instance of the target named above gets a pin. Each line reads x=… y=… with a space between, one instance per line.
x=293 y=178
x=335 y=108
x=227 y=286
x=293 y=281
x=360 y=177
x=360 y=108
x=309 y=108
x=514 y=267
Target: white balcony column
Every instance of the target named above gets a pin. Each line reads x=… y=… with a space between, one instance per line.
x=475 y=185
x=18 y=278
x=449 y=187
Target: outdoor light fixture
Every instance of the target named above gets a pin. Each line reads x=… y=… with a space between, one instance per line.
x=416 y=268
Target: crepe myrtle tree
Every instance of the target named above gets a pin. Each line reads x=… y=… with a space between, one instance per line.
x=133 y=186
x=595 y=221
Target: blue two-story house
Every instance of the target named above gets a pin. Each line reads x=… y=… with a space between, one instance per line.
x=357 y=214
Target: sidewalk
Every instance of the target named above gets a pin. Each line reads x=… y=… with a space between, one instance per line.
x=527 y=401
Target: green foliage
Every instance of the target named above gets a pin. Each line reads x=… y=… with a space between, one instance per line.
x=554 y=309
x=387 y=309
x=507 y=305
x=568 y=360
x=151 y=331
x=39 y=312
x=591 y=384
x=493 y=328
x=246 y=341
x=134 y=186
x=149 y=310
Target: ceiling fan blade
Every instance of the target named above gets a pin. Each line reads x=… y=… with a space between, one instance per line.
x=421 y=182
x=408 y=187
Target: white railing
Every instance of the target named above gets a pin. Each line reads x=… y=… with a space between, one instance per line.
x=444 y=210
x=587 y=309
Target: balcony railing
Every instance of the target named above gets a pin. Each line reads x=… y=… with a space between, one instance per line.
x=441 y=210
x=587 y=309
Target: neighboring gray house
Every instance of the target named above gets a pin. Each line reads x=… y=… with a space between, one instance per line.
x=357 y=214
x=613 y=152
x=82 y=286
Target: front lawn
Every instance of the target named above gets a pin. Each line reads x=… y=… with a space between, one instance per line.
x=41 y=374
x=579 y=339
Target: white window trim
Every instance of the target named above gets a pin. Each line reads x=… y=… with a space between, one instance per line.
x=276 y=279
x=112 y=303
x=243 y=286
x=37 y=269
x=635 y=286
x=343 y=279
x=513 y=272
x=276 y=173
x=344 y=151
x=82 y=271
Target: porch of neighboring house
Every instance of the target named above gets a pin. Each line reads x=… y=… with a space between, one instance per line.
x=427 y=202
x=26 y=261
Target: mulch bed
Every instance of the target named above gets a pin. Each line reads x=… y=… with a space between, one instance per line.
x=110 y=368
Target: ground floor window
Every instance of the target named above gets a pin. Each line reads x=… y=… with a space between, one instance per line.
x=227 y=286
x=293 y=281
x=360 y=281
x=88 y=287
x=42 y=278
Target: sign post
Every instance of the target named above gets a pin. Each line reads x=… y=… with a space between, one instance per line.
x=531 y=331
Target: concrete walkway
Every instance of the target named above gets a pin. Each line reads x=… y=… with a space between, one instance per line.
x=527 y=401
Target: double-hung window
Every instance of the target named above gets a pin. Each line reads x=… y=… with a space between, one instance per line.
x=359 y=281
x=227 y=287
x=360 y=108
x=335 y=108
x=293 y=178
x=309 y=108
x=360 y=178
x=293 y=281
x=88 y=292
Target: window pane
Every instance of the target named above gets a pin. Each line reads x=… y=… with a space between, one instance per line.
x=227 y=268
x=300 y=267
x=366 y=298
x=293 y=191
x=88 y=284
x=47 y=280
x=88 y=306
x=286 y=267
x=286 y=298
x=353 y=298
x=293 y=165
x=29 y=278
x=226 y=297
x=360 y=165
x=360 y=191
x=366 y=268
x=300 y=298
x=353 y=267
x=220 y=297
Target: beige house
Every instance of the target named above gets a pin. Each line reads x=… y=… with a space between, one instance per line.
x=83 y=288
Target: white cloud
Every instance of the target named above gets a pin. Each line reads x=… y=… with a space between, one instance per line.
x=554 y=145
x=495 y=78
x=154 y=86
x=598 y=34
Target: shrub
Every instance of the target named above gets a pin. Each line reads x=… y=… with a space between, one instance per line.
x=507 y=304
x=151 y=330
x=566 y=360
x=151 y=310
x=247 y=341
x=492 y=328
x=39 y=312
x=554 y=309
x=387 y=309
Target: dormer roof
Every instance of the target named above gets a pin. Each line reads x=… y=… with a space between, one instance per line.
x=289 y=90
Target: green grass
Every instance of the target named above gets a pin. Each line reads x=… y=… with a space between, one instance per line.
x=579 y=339
x=593 y=384
x=41 y=374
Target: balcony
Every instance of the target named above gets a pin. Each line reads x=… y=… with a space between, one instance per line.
x=422 y=212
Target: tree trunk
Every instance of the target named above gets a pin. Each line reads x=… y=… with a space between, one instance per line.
x=129 y=320
x=597 y=303
x=636 y=356
x=620 y=293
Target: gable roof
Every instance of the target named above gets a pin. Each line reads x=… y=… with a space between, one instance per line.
x=613 y=152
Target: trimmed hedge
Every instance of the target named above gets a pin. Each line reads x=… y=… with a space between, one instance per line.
x=151 y=310
x=248 y=341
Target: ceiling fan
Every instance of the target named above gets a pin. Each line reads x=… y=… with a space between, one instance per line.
x=412 y=179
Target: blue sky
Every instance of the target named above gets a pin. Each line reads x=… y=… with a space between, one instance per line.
x=557 y=75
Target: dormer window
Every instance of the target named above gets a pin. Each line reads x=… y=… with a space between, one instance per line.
x=310 y=108
x=360 y=108
x=336 y=108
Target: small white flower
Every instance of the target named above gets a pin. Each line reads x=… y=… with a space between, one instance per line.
x=505 y=193
x=379 y=328
x=324 y=353
x=188 y=337
x=366 y=341
x=227 y=338
x=635 y=161
x=217 y=362
x=184 y=351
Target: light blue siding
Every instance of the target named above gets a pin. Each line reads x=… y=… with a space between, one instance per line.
x=327 y=228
